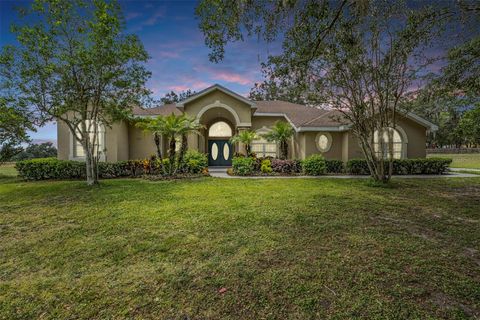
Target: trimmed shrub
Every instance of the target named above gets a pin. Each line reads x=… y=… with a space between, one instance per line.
x=404 y=166
x=243 y=166
x=195 y=161
x=266 y=166
x=50 y=168
x=334 y=166
x=357 y=166
x=314 y=165
x=286 y=166
x=114 y=169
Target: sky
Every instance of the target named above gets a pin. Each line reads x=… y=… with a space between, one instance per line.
x=179 y=57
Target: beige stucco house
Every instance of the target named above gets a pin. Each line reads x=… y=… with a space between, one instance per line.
x=224 y=113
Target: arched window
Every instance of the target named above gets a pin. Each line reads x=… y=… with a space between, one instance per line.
x=381 y=140
x=263 y=148
x=220 y=129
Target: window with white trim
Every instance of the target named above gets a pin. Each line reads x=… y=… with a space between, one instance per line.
x=381 y=143
x=99 y=143
x=263 y=148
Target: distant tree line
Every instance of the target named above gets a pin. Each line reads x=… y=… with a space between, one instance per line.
x=31 y=151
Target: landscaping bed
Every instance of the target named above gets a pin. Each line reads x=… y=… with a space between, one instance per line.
x=316 y=165
x=194 y=164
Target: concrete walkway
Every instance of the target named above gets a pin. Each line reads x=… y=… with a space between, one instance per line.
x=222 y=173
x=465 y=169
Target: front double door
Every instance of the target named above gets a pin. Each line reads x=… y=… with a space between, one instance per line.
x=219 y=153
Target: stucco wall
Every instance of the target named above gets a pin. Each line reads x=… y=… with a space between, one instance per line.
x=354 y=150
x=141 y=144
x=417 y=137
x=242 y=109
x=259 y=122
x=310 y=145
x=63 y=140
x=116 y=142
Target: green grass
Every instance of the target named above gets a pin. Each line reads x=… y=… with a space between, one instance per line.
x=468 y=160
x=7 y=171
x=283 y=249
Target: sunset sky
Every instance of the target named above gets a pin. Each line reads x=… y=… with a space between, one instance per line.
x=179 y=57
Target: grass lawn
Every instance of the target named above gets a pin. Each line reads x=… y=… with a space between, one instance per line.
x=468 y=160
x=282 y=249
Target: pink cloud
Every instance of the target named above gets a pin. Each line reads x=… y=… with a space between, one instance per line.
x=226 y=75
x=178 y=88
x=232 y=77
x=199 y=85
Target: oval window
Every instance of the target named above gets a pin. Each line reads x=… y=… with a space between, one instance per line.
x=214 y=151
x=226 y=151
x=323 y=141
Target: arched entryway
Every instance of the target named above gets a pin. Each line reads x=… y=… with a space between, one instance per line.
x=220 y=151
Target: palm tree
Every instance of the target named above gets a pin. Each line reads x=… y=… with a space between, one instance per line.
x=246 y=137
x=155 y=126
x=173 y=125
x=281 y=133
x=190 y=125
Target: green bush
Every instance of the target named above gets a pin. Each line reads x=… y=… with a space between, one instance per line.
x=243 y=166
x=195 y=161
x=314 y=165
x=50 y=168
x=334 y=166
x=266 y=166
x=404 y=166
x=357 y=166
x=114 y=169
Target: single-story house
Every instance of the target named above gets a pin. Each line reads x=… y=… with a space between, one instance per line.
x=225 y=113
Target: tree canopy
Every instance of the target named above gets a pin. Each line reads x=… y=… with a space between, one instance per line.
x=358 y=57
x=75 y=64
x=173 y=97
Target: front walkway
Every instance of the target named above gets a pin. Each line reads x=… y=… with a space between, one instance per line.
x=465 y=169
x=222 y=173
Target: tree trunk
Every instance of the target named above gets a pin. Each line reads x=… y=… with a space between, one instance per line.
x=181 y=155
x=159 y=152
x=91 y=165
x=376 y=166
x=171 y=154
x=283 y=150
x=248 y=149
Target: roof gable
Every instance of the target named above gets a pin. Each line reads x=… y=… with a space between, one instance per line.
x=218 y=87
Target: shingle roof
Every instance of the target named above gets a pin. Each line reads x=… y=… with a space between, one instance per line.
x=160 y=110
x=299 y=115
